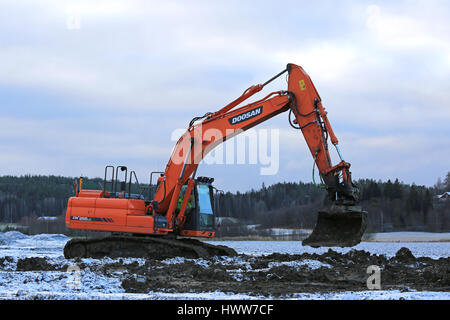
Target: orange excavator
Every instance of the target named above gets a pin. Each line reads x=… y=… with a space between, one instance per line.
x=165 y=222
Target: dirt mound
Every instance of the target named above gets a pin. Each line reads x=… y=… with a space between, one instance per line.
x=405 y=255
x=282 y=274
x=5 y=260
x=36 y=264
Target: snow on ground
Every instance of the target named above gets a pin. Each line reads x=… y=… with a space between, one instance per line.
x=51 y=295
x=15 y=284
x=346 y=295
x=375 y=295
x=312 y=264
x=16 y=244
x=433 y=250
x=409 y=237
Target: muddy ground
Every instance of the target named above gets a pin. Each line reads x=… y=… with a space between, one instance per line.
x=281 y=274
x=275 y=275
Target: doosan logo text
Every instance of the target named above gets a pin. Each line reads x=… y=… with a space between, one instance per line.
x=245 y=116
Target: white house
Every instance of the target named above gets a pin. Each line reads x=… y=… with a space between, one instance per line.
x=445 y=195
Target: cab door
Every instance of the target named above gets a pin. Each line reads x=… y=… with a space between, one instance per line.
x=200 y=217
x=205 y=211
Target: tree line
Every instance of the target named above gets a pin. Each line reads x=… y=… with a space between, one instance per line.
x=391 y=205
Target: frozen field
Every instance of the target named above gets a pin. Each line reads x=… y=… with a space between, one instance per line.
x=15 y=283
x=410 y=237
x=433 y=250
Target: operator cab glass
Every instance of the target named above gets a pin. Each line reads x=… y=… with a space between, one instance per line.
x=201 y=217
x=206 y=215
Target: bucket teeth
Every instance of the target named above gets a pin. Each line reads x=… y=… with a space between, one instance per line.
x=341 y=226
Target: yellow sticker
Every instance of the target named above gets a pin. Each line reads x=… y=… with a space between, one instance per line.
x=302 y=85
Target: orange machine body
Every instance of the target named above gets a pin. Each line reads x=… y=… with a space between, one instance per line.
x=91 y=211
x=98 y=210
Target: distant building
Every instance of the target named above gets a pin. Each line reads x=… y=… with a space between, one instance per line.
x=444 y=196
x=46 y=218
x=226 y=221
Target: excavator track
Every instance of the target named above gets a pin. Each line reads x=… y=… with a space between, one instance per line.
x=341 y=226
x=142 y=247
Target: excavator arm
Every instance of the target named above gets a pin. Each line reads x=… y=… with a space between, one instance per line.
x=312 y=120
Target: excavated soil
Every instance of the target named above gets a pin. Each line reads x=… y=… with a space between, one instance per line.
x=279 y=275
x=36 y=264
x=275 y=275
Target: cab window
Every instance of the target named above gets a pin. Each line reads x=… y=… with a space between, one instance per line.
x=204 y=199
x=206 y=215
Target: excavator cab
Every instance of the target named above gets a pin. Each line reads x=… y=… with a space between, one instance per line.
x=199 y=214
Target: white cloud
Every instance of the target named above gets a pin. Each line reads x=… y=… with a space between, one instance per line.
x=382 y=70
x=330 y=62
x=407 y=32
x=74 y=148
x=98 y=8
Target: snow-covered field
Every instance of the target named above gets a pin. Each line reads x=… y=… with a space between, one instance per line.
x=409 y=237
x=433 y=250
x=87 y=284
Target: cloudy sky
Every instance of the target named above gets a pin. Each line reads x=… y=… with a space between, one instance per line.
x=84 y=84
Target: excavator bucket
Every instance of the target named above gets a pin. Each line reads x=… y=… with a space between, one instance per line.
x=341 y=226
